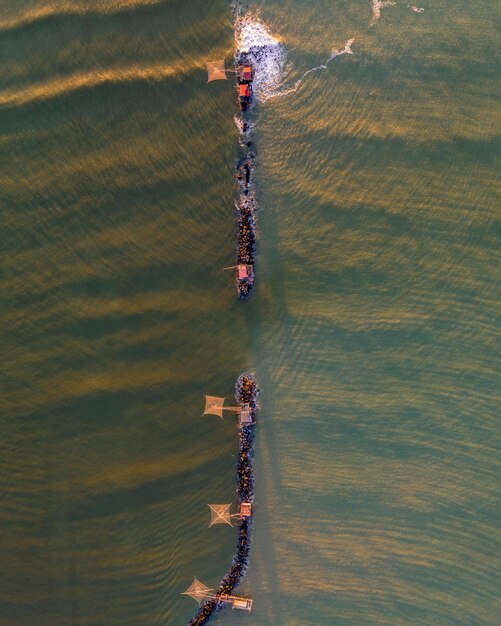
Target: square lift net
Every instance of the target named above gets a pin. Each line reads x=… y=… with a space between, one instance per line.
x=198 y=591
x=220 y=514
x=216 y=70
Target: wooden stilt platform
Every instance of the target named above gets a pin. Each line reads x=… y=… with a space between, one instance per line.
x=244 y=604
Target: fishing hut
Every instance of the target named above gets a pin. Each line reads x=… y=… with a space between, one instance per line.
x=245 y=73
x=216 y=70
x=245 y=76
x=215 y=406
x=245 y=416
x=244 y=95
x=199 y=592
x=221 y=513
x=244 y=604
x=245 y=509
x=245 y=272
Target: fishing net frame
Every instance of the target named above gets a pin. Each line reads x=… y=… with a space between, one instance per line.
x=216 y=70
x=197 y=590
x=214 y=406
x=220 y=514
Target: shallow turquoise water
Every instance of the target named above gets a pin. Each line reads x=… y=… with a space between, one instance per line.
x=373 y=329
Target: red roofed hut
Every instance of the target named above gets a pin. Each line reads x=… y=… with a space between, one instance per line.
x=245 y=74
x=244 y=95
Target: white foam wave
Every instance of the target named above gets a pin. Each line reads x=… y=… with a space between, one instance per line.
x=268 y=56
x=239 y=123
x=346 y=50
x=252 y=33
x=377 y=5
x=264 y=51
x=335 y=53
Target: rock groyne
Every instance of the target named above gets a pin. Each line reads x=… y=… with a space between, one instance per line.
x=246 y=393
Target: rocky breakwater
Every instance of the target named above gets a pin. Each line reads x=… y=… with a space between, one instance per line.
x=246 y=393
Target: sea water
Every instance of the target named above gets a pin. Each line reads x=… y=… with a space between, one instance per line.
x=373 y=328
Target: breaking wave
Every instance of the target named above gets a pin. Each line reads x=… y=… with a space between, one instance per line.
x=267 y=54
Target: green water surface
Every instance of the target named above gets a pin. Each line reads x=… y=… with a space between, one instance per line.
x=373 y=329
